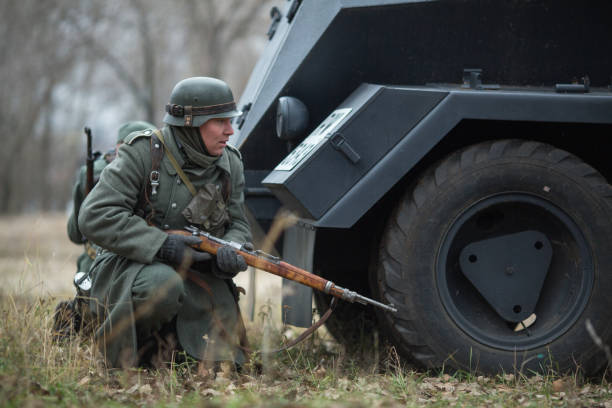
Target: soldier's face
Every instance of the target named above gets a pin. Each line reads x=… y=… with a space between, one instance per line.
x=215 y=134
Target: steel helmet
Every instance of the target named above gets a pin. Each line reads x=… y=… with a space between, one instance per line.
x=130 y=127
x=194 y=101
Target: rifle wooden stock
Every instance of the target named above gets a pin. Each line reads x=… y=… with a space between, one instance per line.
x=283 y=269
x=279 y=268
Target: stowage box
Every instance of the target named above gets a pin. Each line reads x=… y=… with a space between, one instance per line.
x=345 y=146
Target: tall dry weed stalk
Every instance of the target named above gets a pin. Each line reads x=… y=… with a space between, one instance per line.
x=27 y=348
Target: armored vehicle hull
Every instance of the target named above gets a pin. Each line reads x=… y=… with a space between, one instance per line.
x=450 y=158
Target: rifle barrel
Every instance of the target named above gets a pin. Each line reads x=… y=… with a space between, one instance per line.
x=274 y=265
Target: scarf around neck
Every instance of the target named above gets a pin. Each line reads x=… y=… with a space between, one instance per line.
x=193 y=146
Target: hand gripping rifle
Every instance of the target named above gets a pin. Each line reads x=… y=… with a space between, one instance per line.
x=266 y=262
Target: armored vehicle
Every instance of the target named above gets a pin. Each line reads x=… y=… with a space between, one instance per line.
x=451 y=158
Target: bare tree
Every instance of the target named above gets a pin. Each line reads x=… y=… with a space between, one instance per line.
x=215 y=25
x=32 y=67
x=77 y=62
x=134 y=67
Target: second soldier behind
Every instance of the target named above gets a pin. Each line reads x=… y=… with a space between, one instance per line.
x=85 y=260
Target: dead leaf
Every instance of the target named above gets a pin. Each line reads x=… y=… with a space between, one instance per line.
x=426 y=386
x=209 y=392
x=36 y=388
x=320 y=372
x=250 y=384
x=447 y=387
x=203 y=371
x=84 y=380
x=230 y=389
x=133 y=389
x=559 y=385
x=145 y=389
x=227 y=369
x=222 y=381
x=525 y=323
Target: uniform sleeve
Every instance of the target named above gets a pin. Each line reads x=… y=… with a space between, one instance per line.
x=238 y=230
x=107 y=215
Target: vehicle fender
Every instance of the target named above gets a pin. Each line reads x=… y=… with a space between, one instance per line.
x=456 y=106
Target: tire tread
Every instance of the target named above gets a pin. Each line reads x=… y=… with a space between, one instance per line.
x=390 y=269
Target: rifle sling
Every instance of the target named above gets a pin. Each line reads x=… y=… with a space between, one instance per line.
x=308 y=331
x=176 y=166
x=244 y=343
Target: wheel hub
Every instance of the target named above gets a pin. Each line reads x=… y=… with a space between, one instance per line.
x=508 y=271
x=502 y=231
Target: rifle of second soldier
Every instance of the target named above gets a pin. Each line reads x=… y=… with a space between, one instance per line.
x=266 y=262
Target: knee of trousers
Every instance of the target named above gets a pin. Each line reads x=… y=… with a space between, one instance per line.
x=158 y=292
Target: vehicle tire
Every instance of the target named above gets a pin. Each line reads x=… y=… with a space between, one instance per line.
x=479 y=193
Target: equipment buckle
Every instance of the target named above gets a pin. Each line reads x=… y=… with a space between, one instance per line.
x=154 y=179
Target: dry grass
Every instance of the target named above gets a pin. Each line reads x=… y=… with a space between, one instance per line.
x=36 y=372
x=36 y=257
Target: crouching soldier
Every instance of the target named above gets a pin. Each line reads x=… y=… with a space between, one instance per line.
x=68 y=315
x=150 y=289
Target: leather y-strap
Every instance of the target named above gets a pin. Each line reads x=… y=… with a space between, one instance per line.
x=175 y=164
x=151 y=181
x=227 y=186
x=157 y=152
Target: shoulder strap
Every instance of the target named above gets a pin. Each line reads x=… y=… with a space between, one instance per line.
x=151 y=181
x=157 y=153
x=176 y=166
x=227 y=186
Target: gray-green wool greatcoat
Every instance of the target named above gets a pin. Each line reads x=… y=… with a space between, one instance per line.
x=78 y=195
x=108 y=218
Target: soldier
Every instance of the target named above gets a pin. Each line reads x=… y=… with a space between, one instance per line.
x=85 y=260
x=70 y=315
x=150 y=288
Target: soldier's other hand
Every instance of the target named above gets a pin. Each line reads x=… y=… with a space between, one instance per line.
x=229 y=263
x=176 y=249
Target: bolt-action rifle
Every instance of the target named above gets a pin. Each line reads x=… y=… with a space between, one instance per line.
x=266 y=262
x=69 y=315
x=89 y=163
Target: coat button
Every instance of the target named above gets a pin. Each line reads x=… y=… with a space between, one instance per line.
x=173 y=205
x=178 y=181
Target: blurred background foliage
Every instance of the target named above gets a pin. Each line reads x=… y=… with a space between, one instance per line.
x=67 y=64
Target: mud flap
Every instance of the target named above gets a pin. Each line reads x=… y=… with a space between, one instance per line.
x=298 y=250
